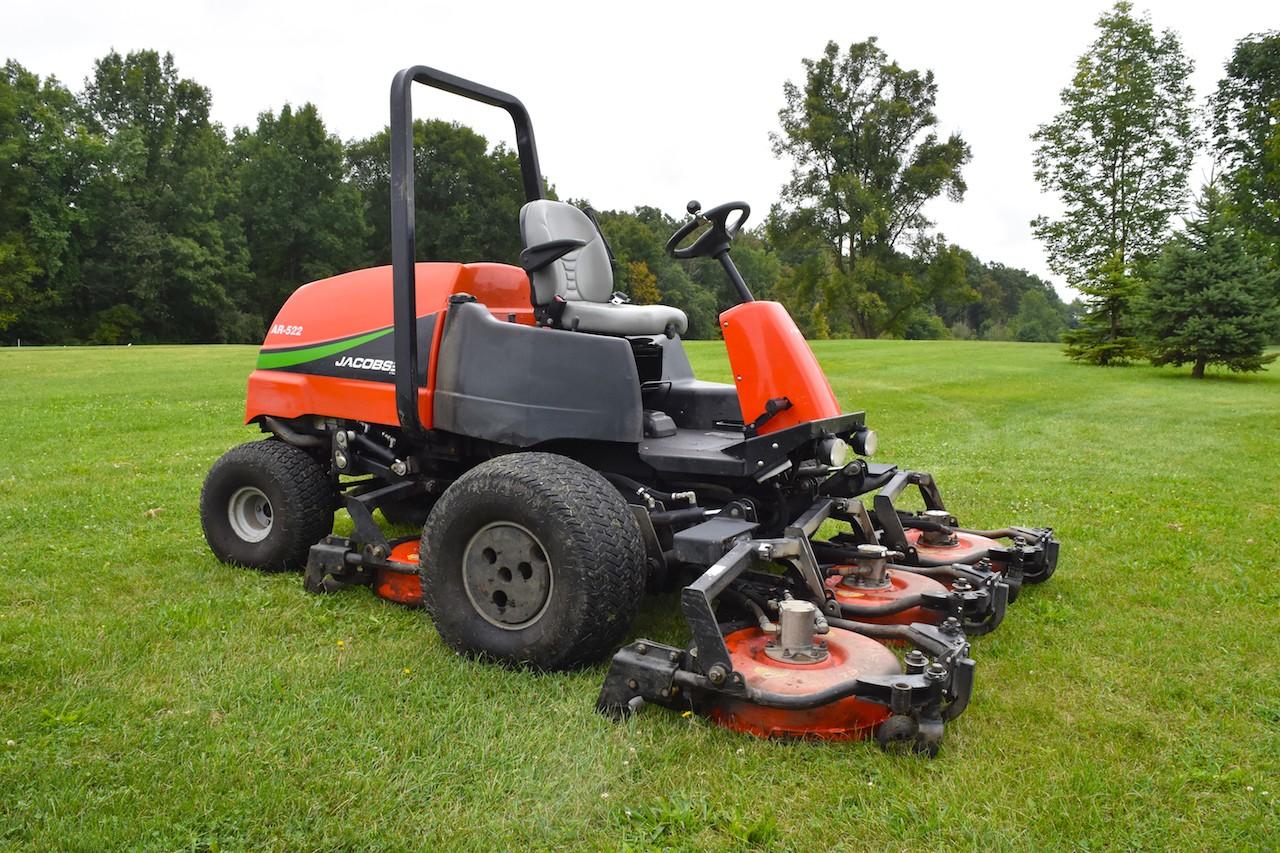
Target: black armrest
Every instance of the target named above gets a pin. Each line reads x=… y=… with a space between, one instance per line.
x=537 y=257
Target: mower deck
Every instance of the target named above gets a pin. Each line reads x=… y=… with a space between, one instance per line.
x=814 y=687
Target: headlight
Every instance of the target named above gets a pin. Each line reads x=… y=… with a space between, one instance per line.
x=833 y=452
x=865 y=442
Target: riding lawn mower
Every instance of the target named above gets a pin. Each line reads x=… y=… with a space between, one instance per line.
x=561 y=458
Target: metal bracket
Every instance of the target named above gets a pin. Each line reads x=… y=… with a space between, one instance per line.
x=894 y=536
x=652 y=547
x=710 y=540
x=771 y=408
x=332 y=564
x=367 y=531
x=805 y=562
x=643 y=671
x=695 y=602
x=855 y=512
x=360 y=506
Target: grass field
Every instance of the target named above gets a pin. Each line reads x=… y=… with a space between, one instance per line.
x=153 y=698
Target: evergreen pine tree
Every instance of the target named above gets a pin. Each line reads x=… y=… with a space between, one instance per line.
x=1106 y=333
x=1209 y=300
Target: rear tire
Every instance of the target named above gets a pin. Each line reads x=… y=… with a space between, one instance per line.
x=532 y=558
x=264 y=504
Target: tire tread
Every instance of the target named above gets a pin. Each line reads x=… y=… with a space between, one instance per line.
x=593 y=514
x=307 y=516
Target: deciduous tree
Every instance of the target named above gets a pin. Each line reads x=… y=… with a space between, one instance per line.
x=42 y=157
x=303 y=220
x=638 y=236
x=1246 y=131
x=165 y=246
x=643 y=284
x=468 y=197
x=1117 y=156
x=1037 y=318
x=866 y=158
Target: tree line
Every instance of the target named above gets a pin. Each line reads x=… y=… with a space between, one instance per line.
x=128 y=215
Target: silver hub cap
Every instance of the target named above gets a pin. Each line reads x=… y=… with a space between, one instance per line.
x=507 y=575
x=249 y=512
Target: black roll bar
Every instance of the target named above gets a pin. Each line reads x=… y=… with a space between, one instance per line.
x=403 y=278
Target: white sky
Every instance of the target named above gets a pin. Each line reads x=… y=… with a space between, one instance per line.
x=635 y=104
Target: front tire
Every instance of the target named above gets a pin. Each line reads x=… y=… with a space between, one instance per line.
x=264 y=504
x=535 y=559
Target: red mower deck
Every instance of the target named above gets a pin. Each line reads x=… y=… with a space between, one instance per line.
x=849 y=656
x=897 y=586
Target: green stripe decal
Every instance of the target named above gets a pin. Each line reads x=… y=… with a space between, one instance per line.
x=269 y=360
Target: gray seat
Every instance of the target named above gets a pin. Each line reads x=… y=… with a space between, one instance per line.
x=584 y=276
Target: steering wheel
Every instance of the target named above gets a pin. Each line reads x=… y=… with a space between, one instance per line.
x=716 y=239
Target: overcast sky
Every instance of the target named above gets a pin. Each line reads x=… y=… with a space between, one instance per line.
x=632 y=103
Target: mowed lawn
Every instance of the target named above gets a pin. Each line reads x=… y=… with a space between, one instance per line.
x=153 y=698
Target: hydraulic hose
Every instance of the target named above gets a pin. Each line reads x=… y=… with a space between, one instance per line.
x=906 y=633
x=828 y=553
x=762 y=618
x=289 y=434
x=886 y=609
x=859 y=484
x=925 y=524
x=949 y=571
x=677 y=516
x=871 y=629
x=720 y=493
x=962 y=673
x=932 y=563
x=1004 y=533
x=636 y=487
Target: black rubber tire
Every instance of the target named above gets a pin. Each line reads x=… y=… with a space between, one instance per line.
x=408 y=513
x=591 y=539
x=897 y=731
x=301 y=498
x=1040 y=576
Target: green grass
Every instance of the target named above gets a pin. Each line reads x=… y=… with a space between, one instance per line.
x=151 y=697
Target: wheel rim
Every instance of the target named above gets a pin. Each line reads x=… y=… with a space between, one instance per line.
x=507 y=575
x=250 y=514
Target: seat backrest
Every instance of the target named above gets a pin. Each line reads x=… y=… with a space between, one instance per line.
x=582 y=275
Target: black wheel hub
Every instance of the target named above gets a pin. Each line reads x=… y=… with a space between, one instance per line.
x=507 y=575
